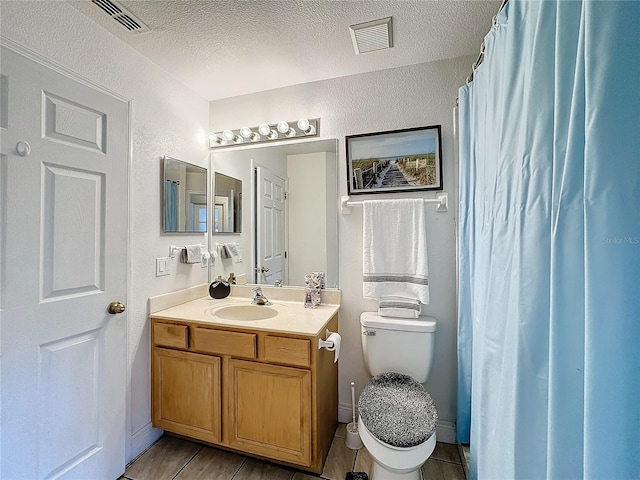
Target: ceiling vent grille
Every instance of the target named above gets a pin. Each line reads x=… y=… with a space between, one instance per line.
x=372 y=36
x=121 y=15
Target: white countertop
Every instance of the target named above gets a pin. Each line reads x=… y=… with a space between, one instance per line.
x=292 y=317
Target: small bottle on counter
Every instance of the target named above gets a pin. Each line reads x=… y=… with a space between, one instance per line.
x=232 y=278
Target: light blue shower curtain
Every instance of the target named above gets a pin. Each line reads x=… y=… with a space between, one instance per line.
x=170 y=206
x=549 y=266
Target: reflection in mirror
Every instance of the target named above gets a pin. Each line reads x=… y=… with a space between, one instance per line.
x=297 y=234
x=227 y=204
x=185 y=197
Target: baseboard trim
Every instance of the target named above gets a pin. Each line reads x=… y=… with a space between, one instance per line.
x=445 y=430
x=344 y=412
x=143 y=439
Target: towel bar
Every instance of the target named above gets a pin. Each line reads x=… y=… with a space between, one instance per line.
x=442 y=199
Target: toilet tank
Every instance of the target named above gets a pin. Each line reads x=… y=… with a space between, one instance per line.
x=398 y=345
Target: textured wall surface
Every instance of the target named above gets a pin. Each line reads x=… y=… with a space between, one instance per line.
x=417 y=95
x=167 y=119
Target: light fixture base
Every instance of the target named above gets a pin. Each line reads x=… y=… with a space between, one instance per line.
x=232 y=138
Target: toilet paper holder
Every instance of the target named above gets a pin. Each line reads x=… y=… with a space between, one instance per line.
x=332 y=343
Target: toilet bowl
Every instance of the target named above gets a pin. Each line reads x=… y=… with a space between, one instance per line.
x=395 y=463
x=397 y=417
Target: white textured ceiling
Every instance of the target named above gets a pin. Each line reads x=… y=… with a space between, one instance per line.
x=224 y=48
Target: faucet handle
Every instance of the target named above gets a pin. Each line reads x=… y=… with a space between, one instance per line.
x=257 y=290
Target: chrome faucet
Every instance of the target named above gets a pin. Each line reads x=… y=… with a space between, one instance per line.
x=277 y=283
x=259 y=298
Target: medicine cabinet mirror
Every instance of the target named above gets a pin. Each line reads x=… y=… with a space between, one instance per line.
x=227 y=204
x=184 y=197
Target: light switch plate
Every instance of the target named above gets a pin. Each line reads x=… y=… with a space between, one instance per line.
x=162 y=266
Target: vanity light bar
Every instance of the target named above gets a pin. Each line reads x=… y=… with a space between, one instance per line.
x=265 y=132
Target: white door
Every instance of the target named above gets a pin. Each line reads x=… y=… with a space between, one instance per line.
x=63 y=254
x=270 y=227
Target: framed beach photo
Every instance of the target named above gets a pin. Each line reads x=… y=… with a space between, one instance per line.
x=395 y=161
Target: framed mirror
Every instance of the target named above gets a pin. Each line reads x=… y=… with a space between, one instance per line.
x=226 y=215
x=184 y=199
x=304 y=237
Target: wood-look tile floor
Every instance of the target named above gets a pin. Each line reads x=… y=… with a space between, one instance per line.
x=173 y=458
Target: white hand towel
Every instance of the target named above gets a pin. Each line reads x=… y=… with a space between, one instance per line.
x=399 y=307
x=192 y=254
x=394 y=248
x=231 y=249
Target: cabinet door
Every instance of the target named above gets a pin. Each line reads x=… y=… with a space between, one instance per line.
x=186 y=394
x=270 y=408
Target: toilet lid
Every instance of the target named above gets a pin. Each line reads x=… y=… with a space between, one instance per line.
x=397 y=410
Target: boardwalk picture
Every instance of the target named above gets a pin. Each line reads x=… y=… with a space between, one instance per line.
x=400 y=160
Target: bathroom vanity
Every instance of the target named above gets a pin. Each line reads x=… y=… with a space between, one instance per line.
x=224 y=375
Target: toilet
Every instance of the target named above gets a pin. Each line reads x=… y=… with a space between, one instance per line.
x=397 y=417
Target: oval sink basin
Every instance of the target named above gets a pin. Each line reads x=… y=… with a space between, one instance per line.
x=245 y=312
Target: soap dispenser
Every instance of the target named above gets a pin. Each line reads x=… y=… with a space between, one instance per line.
x=232 y=278
x=219 y=288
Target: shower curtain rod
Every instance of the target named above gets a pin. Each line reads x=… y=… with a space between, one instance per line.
x=481 y=54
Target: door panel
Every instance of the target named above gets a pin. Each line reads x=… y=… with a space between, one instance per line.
x=270 y=226
x=63 y=252
x=81 y=192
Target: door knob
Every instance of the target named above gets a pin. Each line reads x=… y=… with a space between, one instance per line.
x=23 y=148
x=262 y=269
x=115 y=307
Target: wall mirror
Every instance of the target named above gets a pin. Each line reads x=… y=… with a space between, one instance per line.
x=290 y=225
x=226 y=215
x=185 y=197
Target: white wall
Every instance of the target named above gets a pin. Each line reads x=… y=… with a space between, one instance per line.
x=391 y=99
x=307 y=214
x=167 y=119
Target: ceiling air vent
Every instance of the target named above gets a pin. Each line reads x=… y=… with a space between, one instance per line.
x=372 y=36
x=121 y=15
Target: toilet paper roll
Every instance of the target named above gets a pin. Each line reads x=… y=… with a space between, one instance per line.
x=332 y=343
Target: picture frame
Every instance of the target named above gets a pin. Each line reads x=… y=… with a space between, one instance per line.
x=403 y=160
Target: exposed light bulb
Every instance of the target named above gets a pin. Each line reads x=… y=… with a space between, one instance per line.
x=255 y=136
x=238 y=139
x=214 y=138
x=291 y=133
x=246 y=132
x=272 y=135
x=303 y=124
x=283 y=127
x=310 y=131
x=264 y=129
x=228 y=135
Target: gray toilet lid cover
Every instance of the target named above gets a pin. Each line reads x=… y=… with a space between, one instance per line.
x=397 y=410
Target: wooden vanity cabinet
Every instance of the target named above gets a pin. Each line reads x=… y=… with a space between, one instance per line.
x=268 y=394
